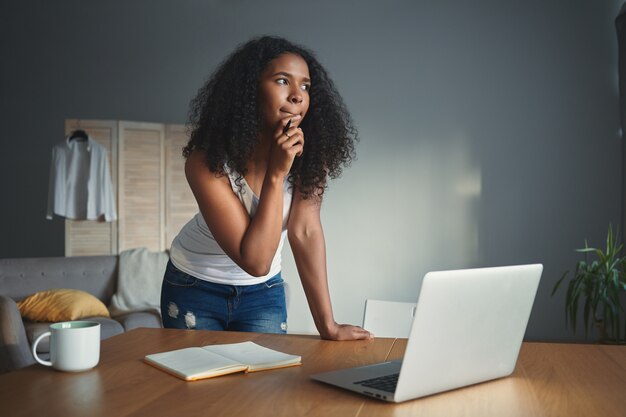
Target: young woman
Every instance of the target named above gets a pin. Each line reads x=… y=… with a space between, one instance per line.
x=256 y=178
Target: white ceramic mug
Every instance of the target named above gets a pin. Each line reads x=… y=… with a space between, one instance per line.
x=74 y=346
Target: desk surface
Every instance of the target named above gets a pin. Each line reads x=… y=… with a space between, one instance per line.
x=549 y=380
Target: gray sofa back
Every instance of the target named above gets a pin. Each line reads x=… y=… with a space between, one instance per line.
x=96 y=275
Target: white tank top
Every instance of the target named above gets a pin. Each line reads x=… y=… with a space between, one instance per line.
x=196 y=252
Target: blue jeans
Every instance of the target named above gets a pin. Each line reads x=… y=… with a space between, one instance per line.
x=191 y=303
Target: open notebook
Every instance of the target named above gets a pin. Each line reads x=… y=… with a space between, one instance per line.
x=210 y=361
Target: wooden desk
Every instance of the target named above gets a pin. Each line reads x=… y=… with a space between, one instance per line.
x=550 y=380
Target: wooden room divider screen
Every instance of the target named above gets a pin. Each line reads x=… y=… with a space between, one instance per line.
x=152 y=195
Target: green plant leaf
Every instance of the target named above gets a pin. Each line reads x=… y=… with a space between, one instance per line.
x=601 y=256
x=585 y=250
x=586 y=313
x=577 y=289
x=604 y=318
x=568 y=306
x=558 y=283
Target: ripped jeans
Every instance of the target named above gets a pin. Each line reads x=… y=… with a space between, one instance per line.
x=191 y=303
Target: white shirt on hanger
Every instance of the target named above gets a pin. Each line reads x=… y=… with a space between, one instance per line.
x=80 y=182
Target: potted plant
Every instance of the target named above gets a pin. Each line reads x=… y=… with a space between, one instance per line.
x=600 y=285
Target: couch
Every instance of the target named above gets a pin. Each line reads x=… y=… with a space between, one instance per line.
x=21 y=277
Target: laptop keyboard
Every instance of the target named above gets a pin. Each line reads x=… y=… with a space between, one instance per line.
x=384 y=383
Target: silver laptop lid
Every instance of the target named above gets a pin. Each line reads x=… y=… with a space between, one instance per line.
x=468 y=328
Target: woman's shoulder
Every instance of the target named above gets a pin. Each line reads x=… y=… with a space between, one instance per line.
x=196 y=159
x=197 y=170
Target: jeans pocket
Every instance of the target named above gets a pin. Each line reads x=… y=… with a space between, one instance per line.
x=275 y=281
x=178 y=278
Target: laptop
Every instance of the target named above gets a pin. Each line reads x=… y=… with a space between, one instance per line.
x=468 y=328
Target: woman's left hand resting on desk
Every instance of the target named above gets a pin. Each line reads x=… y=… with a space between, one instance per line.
x=347 y=332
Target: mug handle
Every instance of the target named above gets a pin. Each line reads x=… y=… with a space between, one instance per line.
x=41 y=361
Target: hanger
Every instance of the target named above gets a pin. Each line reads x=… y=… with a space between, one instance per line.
x=79 y=134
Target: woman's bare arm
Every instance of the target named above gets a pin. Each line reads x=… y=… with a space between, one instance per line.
x=306 y=238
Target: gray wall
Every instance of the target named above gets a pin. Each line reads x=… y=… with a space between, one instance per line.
x=489 y=129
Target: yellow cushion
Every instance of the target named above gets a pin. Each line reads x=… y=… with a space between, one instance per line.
x=61 y=305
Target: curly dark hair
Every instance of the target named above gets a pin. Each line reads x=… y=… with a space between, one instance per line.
x=224 y=118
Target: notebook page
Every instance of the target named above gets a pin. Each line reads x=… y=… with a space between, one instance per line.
x=256 y=356
x=193 y=363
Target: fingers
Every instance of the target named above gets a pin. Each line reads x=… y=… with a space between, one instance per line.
x=291 y=133
x=292 y=140
x=295 y=122
x=295 y=144
x=286 y=145
x=288 y=128
x=348 y=332
x=360 y=334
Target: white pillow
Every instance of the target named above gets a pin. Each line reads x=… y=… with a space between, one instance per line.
x=139 y=280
